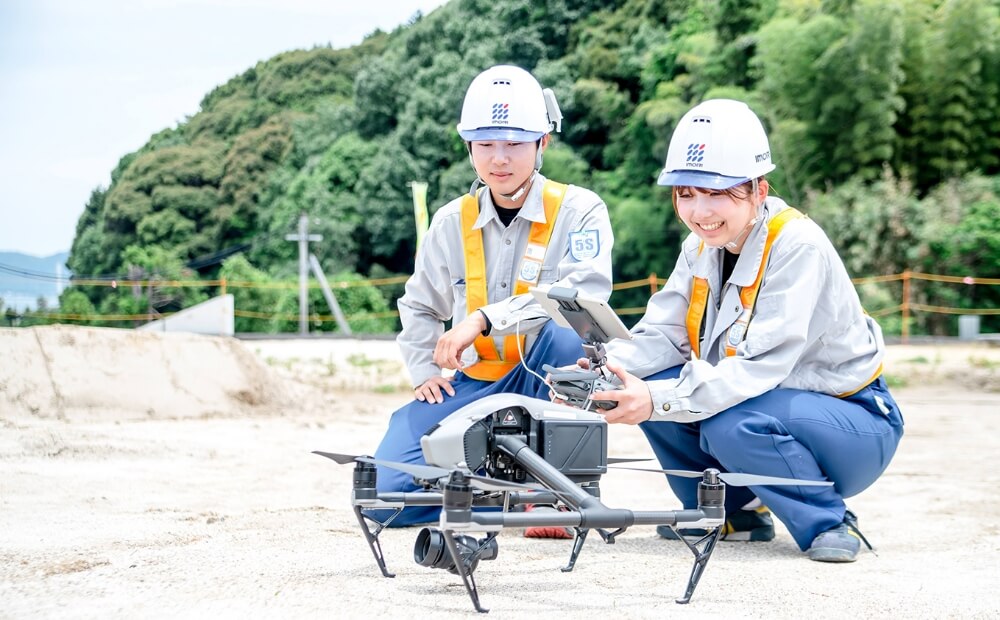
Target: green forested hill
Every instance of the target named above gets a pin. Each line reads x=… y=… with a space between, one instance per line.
x=884 y=119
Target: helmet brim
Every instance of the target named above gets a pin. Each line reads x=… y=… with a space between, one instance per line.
x=697 y=178
x=507 y=134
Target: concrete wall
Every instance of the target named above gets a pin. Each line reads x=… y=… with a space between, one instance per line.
x=213 y=317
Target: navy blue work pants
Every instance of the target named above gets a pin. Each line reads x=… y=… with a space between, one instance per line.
x=791 y=434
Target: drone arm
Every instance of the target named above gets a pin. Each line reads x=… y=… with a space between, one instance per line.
x=413 y=499
x=688 y=518
x=553 y=518
x=544 y=472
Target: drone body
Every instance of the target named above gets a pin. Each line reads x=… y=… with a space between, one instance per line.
x=572 y=440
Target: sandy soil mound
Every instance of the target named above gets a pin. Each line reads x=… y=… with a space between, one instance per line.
x=81 y=372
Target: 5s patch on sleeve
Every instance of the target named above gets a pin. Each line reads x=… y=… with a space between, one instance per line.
x=584 y=244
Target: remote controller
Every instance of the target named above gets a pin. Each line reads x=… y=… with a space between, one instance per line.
x=596 y=324
x=577 y=386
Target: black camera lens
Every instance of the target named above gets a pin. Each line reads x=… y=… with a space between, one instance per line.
x=431 y=550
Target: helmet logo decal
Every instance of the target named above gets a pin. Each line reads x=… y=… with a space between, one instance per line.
x=501 y=111
x=695 y=154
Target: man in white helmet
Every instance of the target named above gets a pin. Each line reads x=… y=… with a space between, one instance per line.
x=481 y=254
x=756 y=355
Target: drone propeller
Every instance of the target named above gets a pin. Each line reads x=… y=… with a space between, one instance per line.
x=615 y=460
x=342 y=459
x=431 y=472
x=738 y=479
x=424 y=472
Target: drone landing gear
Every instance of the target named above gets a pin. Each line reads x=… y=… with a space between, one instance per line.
x=581 y=537
x=372 y=537
x=701 y=556
x=464 y=566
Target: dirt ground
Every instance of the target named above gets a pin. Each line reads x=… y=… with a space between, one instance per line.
x=168 y=475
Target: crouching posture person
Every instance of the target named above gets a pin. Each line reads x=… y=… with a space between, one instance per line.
x=481 y=254
x=756 y=356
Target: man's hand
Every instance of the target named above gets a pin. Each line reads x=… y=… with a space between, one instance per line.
x=430 y=391
x=448 y=352
x=635 y=405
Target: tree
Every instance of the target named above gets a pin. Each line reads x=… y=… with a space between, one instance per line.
x=735 y=23
x=787 y=52
x=857 y=84
x=73 y=301
x=262 y=298
x=961 y=237
x=248 y=164
x=595 y=120
x=155 y=263
x=954 y=124
x=876 y=227
x=386 y=207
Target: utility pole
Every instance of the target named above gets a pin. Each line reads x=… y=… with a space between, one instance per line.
x=303 y=237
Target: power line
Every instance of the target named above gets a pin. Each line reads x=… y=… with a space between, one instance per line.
x=33 y=275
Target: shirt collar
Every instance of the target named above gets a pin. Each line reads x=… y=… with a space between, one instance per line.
x=753 y=250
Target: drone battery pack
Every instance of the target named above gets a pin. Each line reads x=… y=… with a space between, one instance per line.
x=577 y=448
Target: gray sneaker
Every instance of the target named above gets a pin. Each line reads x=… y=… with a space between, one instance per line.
x=838 y=544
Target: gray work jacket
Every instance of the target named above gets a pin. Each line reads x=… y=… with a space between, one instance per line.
x=808 y=329
x=578 y=256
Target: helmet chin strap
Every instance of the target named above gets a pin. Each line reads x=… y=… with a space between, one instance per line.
x=732 y=245
x=513 y=196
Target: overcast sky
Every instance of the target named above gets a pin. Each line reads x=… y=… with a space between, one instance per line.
x=82 y=83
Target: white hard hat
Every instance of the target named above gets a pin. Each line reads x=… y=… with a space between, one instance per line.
x=507 y=103
x=718 y=144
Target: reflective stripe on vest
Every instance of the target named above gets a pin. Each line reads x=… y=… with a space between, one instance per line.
x=491 y=366
x=748 y=294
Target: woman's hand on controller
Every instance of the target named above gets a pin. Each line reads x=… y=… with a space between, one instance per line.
x=635 y=404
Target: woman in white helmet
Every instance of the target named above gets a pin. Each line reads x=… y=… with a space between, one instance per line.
x=756 y=355
x=481 y=254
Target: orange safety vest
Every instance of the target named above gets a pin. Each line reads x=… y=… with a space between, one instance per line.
x=748 y=297
x=491 y=366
